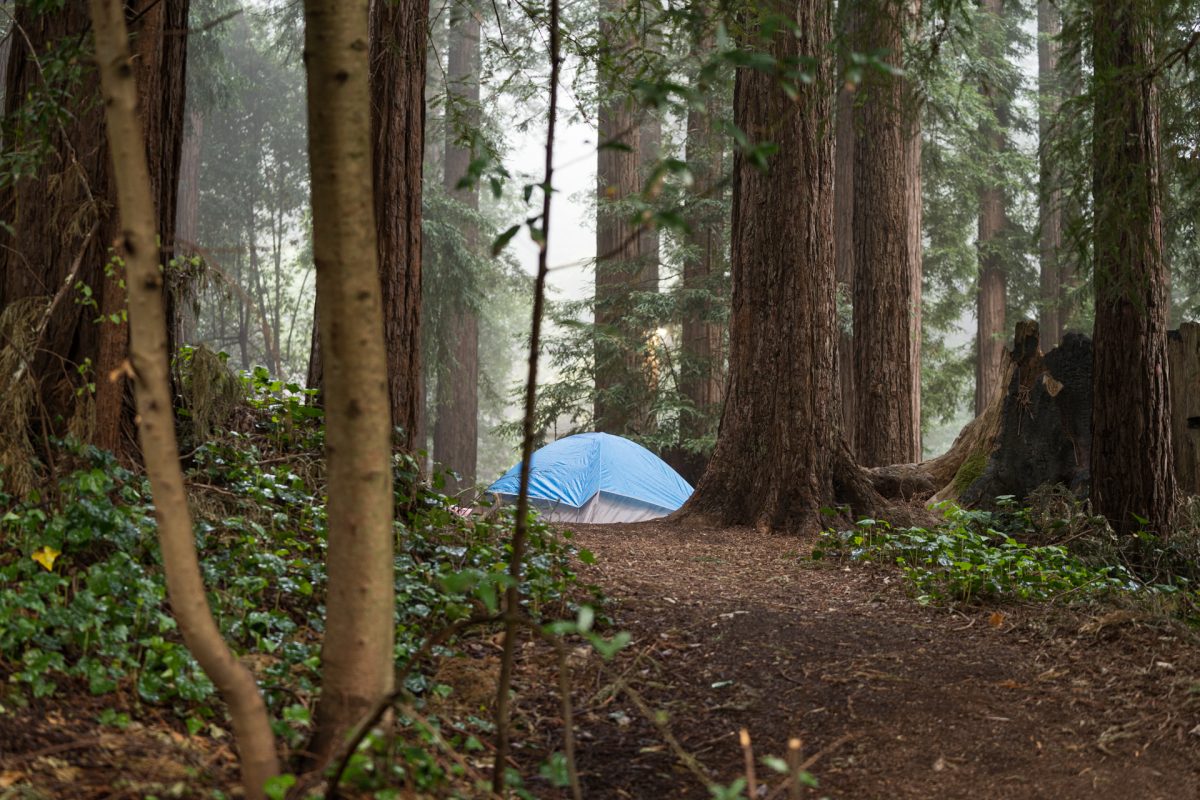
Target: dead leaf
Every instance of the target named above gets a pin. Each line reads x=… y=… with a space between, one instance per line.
x=996 y=619
x=10 y=777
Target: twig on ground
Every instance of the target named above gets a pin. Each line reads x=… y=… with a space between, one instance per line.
x=687 y=759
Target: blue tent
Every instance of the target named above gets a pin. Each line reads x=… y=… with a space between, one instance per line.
x=597 y=477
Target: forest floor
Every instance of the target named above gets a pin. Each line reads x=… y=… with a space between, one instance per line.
x=737 y=629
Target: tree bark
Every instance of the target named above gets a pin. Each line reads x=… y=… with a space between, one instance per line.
x=455 y=431
x=885 y=377
x=1050 y=223
x=148 y=366
x=357 y=653
x=1183 y=350
x=993 y=220
x=62 y=216
x=701 y=372
x=1132 y=470
x=913 y=107
x=619 y=394
x=780 y=455
x=397 y=58
x=187 y=219
x=843 y=223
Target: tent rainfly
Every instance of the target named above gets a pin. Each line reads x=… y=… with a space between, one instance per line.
x=596 y=477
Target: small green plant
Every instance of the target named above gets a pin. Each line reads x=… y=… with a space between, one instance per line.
x=976 y=555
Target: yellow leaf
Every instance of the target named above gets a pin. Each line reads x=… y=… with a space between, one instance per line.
x=46 y=557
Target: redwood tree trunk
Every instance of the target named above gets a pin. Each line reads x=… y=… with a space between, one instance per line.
x=63 y=218
x=885 y=376
x=455 y=432
x=843 y=224
x=701 y=373
x=780 y=456
x=618 y=247
x=913 y=107
x=1132 y=473
x=187 y=216
x=397 y=130
x=993 y=219
x=1053 y=306
x=397 y=44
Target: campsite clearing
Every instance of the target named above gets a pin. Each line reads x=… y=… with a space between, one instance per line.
x=736 y=629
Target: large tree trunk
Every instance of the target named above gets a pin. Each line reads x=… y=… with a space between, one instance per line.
x=780 y=455
x=455 y=431
x=1132 y=470
x=1050 y=223
x=993 y=220
x=63 y=217
x=885 y=377
x=397 y=52
x=148 y=366
x=701 y=370
x=356 y=655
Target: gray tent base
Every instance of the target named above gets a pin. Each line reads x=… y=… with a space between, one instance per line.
x=602 y=508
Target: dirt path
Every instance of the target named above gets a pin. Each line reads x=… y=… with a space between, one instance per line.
x=734 y=629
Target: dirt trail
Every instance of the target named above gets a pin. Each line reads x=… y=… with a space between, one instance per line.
x=735 y=629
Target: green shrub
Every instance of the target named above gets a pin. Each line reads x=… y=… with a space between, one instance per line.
x=82 y=593
x=977 y=555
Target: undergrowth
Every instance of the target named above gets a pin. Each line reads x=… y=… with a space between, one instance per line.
x=1020 y=554
x=83 y=593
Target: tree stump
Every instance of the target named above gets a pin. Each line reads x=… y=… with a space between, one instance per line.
x=1183 y=354
x=1038 y=431
x=1044 y=436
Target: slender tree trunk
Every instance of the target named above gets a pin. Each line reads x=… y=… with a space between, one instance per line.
x=993 y=220
x=701 y=373
x=398 y=125
x=916 y=248
x=1053 y=307
x=913 y=107
x=187 y=220
x=61 y=217
x=149 y=368
x=618 y=246
x=357 y=653
x=780 y=455
x=885 y=378
x=455 y=432
x=843 y=224
x=1132 y=472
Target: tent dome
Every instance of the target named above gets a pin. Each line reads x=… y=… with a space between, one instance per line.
x=597 y=477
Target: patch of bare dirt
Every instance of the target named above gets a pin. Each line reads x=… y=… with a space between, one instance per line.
x=733 y=629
